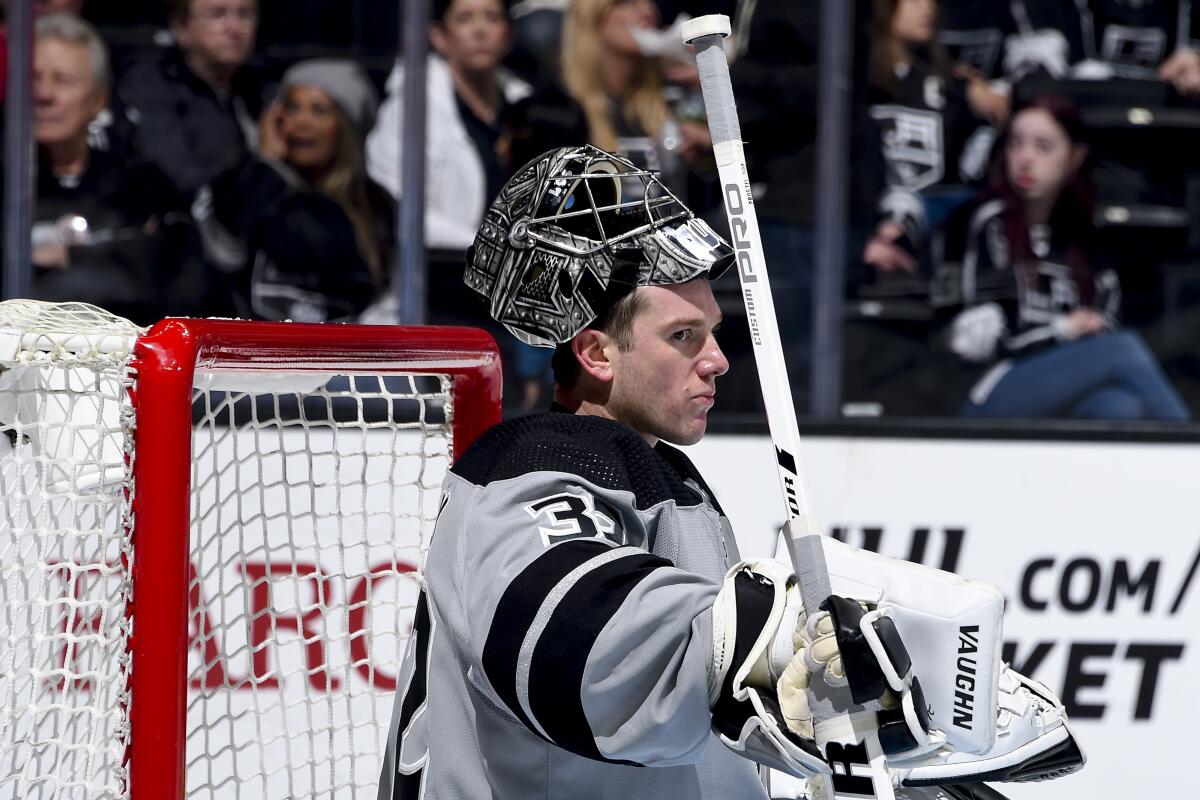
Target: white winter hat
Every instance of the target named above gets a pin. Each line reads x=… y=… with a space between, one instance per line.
x=345 y=83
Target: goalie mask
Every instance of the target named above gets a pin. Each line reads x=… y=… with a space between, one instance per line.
x=572 y=232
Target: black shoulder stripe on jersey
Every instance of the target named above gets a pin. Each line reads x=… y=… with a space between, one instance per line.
x=518 y=606
x=561 y=654
x=754 y=600
x=408 y=786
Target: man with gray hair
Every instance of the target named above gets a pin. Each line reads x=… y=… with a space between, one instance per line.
x=97 y=218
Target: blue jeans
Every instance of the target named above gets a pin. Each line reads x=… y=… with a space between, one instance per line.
x=942 y=201
x=1113 y=376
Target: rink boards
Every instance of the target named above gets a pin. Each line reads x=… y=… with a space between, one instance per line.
x=305 y=591
x=1095 y=546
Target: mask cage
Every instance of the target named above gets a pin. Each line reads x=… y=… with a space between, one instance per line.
x=603 y=204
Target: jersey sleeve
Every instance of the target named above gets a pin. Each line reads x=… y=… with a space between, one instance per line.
x=576 y=629
x=986 y=289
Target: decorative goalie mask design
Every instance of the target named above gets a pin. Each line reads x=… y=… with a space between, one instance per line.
x=573 y=231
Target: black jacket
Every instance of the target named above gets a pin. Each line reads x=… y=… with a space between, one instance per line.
x=548 y=117
x=184 y=126
x=299 y=256
x=127 y=220
x=1034 y=299
x=928 y=135
x=1133 y=38
x=775 y=81
x=974 y=32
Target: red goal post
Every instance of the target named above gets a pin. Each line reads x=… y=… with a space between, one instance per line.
x=250 y=485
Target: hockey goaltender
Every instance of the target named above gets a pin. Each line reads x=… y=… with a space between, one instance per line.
x=587 y=629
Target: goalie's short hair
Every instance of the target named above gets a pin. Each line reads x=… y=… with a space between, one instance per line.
x=617 y=322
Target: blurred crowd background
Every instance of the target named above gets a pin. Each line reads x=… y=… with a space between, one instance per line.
x=1023 y=183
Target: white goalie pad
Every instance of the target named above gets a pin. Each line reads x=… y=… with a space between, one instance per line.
x=952 y=628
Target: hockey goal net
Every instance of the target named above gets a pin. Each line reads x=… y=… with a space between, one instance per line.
x=212 y=537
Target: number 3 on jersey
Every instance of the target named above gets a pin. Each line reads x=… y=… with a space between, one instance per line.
x=574 y=516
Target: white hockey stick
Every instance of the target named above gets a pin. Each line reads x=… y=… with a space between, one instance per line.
x=856 y=754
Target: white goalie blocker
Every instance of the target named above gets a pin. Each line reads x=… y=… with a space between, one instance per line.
x=952 y=627
x=983 y=721
x=911 y=628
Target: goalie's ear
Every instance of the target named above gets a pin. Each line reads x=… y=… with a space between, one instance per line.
x=592 y=349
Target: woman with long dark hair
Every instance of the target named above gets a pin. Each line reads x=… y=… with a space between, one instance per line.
x=1040 y=310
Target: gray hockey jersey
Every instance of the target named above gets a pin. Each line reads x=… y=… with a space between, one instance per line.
x=562 y=644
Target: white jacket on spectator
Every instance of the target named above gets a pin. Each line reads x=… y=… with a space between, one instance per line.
x=454 y=177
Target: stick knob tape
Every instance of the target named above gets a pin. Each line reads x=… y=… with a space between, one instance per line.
x=708 y=25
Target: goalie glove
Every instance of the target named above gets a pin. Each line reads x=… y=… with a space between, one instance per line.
x=852 y=670
x=952 y=627
x=754 y=620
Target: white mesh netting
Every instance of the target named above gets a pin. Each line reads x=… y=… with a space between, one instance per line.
x=312 y=499
x=310 y=518
x=65 y=420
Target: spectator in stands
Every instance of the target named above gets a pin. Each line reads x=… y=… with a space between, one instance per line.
x=933 y=128
x=619 y=90
x=304 y=232
x=98 y=221
x=1149 y=39
x=774 y=79
x=468 y=100
x=198 y=108
x=1040 y=309
x=611 y=94
x=537 y=39
x=973 y=33
x=467 y=92
x=39 y=7
x=618 y=87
